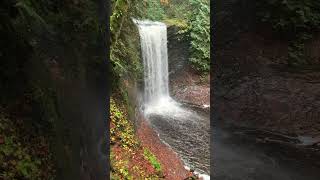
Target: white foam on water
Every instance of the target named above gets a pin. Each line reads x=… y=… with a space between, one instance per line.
x=203 y=176
x=206 y=105
x=166 y=106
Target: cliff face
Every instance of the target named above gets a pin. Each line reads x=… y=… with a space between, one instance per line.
x=253 y=87
x=178 y=51
x=186 y=84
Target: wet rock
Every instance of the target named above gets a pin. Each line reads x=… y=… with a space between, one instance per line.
x=178 y=51
x=186 y=85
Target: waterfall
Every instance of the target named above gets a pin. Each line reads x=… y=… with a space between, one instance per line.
x=153 y=40
x=153 y=37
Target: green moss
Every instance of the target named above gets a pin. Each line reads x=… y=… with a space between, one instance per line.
x=127 y=145
x=181 y=23
x=152 y=159
x=123 y=128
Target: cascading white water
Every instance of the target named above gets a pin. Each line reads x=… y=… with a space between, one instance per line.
x=153 y=37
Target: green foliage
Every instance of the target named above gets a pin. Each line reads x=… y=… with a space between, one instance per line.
x=200 y=34
x=293 y=15
x=124 y=51
x=125 y=147
x=193 y=19
x=119 y=10
x=152 y=159
x=177 y=9
x=154 y=10
x=123 y=130
x=182 y=24
x=18 y=160
x=296 y=20
x=119 y=169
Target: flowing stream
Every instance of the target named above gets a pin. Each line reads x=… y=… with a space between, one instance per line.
x=183 y=129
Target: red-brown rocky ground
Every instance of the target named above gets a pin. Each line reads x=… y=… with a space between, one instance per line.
x=190 y=87
x=173 y=167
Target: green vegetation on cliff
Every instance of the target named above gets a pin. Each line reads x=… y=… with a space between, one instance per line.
x=200 y=34
x=128 y=158
x=193 y=17
x=125 y=45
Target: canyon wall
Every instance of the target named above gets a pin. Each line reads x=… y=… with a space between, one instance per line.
x=252 y=85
